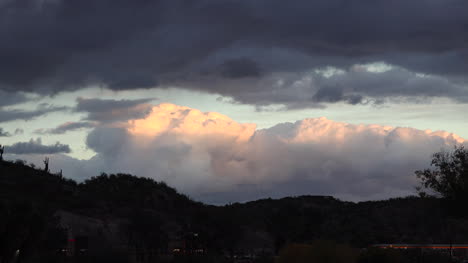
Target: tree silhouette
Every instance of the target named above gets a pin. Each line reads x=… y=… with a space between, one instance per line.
x=448 y=179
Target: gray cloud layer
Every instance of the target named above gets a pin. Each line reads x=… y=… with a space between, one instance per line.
x=18 y=114
x=66 y=127
x=99 y=111
x=36 y=147
x=12 y=98
x=113 y=110
x=57 y=44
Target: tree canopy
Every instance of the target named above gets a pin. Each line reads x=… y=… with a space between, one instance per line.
x=449 y=176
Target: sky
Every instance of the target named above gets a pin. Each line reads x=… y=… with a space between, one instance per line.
x=234 y=100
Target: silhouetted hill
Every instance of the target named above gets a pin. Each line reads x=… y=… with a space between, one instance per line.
x=139 y=215
x=23 y=183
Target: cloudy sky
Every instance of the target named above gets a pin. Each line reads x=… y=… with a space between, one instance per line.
x=233 y=100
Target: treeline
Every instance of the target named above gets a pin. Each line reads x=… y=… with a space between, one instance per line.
x=148 y=220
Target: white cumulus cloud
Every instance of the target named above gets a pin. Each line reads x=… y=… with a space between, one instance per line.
x=216 y=159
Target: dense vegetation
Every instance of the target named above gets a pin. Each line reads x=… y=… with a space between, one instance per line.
x=145 y=218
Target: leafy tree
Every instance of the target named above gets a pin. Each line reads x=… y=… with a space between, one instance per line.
x=449 y=178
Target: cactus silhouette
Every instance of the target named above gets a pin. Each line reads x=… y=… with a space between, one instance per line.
x=46 y=163
x=2 y=149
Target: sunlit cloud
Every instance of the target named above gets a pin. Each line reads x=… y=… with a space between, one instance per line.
x=187 y=122
x=216 y=159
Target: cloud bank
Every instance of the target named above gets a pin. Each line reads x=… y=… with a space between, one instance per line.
x=113 y=110
x=36 y=147
x=215 y=159
x=66 y=127
x=7 y=115
x=257 y=52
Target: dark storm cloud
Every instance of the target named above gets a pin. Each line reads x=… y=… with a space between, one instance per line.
x=4 y=133
x=355 y=85
x=36 y=147
x=66 y=127
x=11 y=98
x=61 y=45
x=240 y=68
x=17 y=114
x=333 y=94
x=113 y=110
x=99 y=105
x=351 y=85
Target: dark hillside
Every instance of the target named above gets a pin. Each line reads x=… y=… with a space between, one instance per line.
x=140 y=218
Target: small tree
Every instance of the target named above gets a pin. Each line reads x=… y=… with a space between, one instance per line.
x=449 y=178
